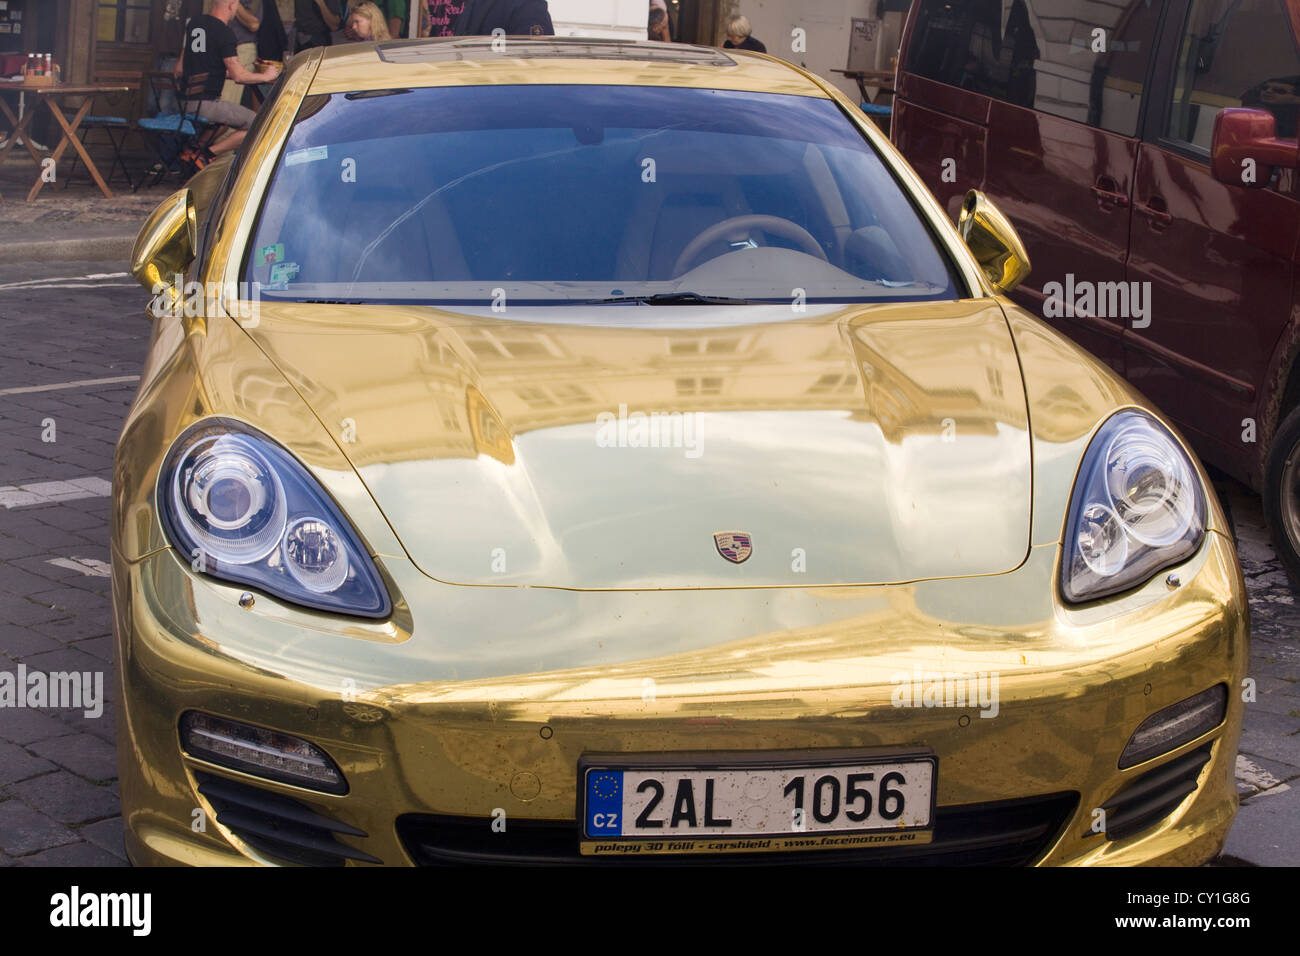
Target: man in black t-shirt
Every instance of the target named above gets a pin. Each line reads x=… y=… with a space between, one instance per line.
x=210 y=51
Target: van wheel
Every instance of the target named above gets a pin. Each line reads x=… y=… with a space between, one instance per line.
x=1282 y=494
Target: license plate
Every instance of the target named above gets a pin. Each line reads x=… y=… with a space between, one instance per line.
x=708 y=803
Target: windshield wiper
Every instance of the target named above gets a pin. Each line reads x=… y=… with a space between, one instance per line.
x=674 y=298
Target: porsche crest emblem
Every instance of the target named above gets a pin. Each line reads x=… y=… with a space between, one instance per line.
x=735 y=546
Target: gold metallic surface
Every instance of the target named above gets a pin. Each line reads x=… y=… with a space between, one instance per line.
x=464 y=696
x=927 y=461
x=165 y=247
x=922 y=457
x=994 y=242
x=358 y=66
x=204 y=184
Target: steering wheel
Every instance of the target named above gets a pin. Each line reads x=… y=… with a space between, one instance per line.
x=737 y=228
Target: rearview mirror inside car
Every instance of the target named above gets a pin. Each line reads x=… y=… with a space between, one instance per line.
x=165 y=246
x=993 y=240
x=1244 y=148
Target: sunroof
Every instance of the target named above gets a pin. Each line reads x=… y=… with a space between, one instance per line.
x=450 y=49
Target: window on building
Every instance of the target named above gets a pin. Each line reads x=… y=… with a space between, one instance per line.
x=708 y=385
x=124 y=21
x=826 y=384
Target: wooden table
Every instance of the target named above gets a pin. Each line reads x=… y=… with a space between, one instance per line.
x=52 y=97
x=881 y=79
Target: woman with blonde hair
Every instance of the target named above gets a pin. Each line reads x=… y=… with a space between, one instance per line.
x=367 y=22
x=740 y=36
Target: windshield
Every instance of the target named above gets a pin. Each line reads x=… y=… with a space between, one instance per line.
x=561 y=194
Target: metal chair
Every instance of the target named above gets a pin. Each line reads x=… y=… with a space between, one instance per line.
x=173 y=128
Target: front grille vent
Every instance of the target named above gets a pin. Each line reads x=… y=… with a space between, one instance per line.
x=1154 y=795
x=279 y=826
x=1006 y=833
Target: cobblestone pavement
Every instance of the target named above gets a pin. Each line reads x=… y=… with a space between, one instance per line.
x=86 y=337
x=78 y=210
x=58 y=766
x=1267 y=828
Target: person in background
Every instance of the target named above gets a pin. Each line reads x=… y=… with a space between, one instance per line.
x=286 y=10
x=272 y=40
x=658 y=27
x=210 y=50
x=367 y=22
x=461 y=18
x=1281 y=97
x=396 y=11
x=244 y=27
x=739 y=36
x=344 y=35
x=314 y=21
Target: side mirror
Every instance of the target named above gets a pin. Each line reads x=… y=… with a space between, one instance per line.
x=993 y=241
x=1245 y=148
x=165 y=247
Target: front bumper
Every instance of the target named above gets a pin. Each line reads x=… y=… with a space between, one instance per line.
x=474 y=704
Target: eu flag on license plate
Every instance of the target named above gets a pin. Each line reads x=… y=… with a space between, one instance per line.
x=605 y=803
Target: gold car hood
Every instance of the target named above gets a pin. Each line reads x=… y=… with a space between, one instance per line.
x=605 y=446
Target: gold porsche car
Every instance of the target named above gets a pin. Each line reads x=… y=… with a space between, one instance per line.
x=557 y=451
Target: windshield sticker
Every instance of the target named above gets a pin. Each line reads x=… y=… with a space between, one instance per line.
x=273 y=253
x=306 y=155
x=282 y=272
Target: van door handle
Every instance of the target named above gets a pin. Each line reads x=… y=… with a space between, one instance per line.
x=1107 y=191
x=1156 y=212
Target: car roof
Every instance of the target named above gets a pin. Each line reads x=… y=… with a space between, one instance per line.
x=473 y=61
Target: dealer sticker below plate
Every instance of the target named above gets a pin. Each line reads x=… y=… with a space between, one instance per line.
x=810 y=805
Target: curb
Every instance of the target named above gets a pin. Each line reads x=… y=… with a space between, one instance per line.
x=116 y=248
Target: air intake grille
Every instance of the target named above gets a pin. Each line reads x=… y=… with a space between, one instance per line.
x=1154 y=795
x=279 y=826
x=1007 y=833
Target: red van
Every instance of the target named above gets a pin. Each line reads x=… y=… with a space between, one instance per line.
x=1146 y=151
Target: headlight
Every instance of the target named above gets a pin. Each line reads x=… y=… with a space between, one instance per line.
x=1138 y=507
x=240 y=508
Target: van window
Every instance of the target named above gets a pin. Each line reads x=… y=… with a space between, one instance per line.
x=1234 y=53
x=1083 y=61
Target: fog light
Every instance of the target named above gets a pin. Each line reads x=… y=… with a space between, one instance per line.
x=261 y=752
x=1174 y=726
x=315 y=556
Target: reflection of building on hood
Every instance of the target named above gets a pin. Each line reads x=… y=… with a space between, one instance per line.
x=515 y=17
x=1285 y=107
